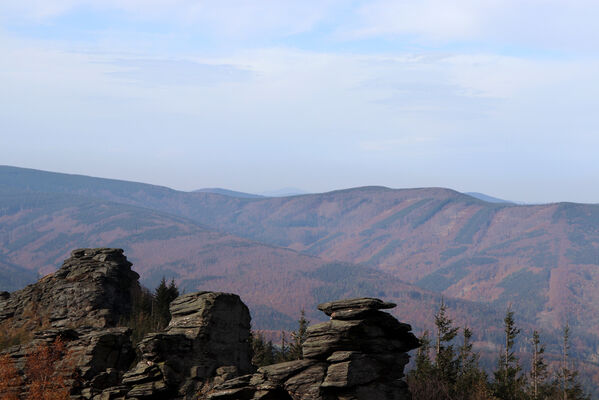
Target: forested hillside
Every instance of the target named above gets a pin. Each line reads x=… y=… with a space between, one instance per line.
x=410 y=246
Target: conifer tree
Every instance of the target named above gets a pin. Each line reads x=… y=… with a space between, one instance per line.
x=567 y=376
x=508 y=382
x=446 y=363
x=424 y=365
x=538 y=387
x=471 y=382
x=283 y=353
x=423 y=379
x=163 y=296
x=299 y=337
x=262 y=350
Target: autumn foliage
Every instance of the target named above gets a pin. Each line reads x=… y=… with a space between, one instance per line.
x=46 y=382
x=10 y=380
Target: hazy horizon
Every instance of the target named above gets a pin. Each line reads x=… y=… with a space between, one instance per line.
x=491 y=97
x=294 y=191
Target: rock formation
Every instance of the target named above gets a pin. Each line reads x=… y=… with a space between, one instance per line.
x=82 y=303
x=360 y=354
x=91 y=289
x=207 y=337
x=204 y=353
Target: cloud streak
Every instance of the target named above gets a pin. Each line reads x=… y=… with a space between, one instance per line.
x=544 y=25
x=173 y=72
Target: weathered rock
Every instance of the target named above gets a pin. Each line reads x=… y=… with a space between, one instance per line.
x=360 y=354
x=362 y=304
x=205 y=343
x=353 y=369
x=204 y=353
x=91 y=289
x=81 y=303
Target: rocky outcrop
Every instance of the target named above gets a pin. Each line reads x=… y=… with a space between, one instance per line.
x=360 y=354
x=205 y=343
x=91 y=289
x=206 y=339
x=204 y=353
x=82 y=303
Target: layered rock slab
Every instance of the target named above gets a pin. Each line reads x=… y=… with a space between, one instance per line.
x=205 y=343
x=360 y=354
x=207 y=340
x=91 y=289
x=81 y=303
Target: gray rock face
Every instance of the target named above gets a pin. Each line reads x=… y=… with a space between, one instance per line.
x=204 y=353
x=82 y=304
x=91 y=289
x=360 y=354
x=206 y=341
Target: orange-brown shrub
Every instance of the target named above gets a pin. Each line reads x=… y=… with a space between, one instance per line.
x=10 y=380
x=46 y=380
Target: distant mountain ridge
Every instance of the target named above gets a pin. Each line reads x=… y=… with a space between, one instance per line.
x=428 y=242
x=162 y=244
x=284 y=192
x=489 y=199
x=230 y=193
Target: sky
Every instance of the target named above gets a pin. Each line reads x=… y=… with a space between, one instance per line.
x=492 y=96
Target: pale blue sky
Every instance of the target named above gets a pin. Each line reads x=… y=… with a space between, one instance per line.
x=498 y=96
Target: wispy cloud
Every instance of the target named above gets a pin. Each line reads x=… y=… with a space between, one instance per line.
x=393 y=145
x=230 y=17
x=177 y=72
x=550 y=24
x=504 y=26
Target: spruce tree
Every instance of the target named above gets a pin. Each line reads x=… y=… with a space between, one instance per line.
x=508 y=382
x=262 y=350
x=424 y=365
x=163 y=296
x=423 y=379
x=567 y=376
x=283 y=353
x=471 y=381
x=446 y=363
x=299 y=337
x=538 y=387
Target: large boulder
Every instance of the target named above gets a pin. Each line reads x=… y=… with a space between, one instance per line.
x=207 y=340
x=360 y=354
x=91 y=289
x=82 y=304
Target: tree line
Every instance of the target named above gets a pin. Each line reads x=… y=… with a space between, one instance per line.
x=264 y=352
x=150 y=309
x=447 y=368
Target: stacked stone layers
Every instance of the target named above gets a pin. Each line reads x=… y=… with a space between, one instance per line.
x=91 y=289
x=360 y=354
x=204 y=353
x=206 y=339
x=81 y=303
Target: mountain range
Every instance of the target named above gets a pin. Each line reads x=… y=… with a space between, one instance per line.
x=282 y=254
